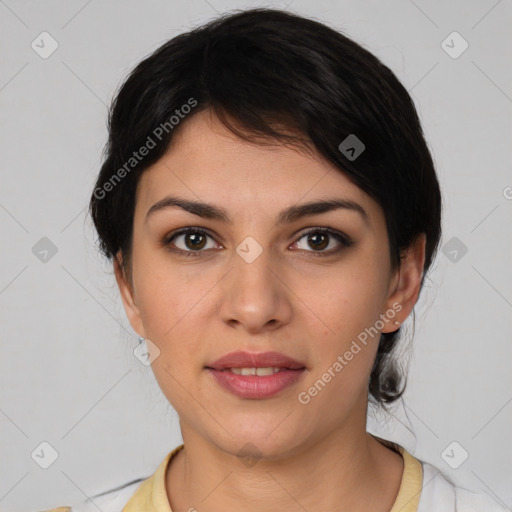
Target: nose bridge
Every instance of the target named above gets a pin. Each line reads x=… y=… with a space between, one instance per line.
x=253 y=267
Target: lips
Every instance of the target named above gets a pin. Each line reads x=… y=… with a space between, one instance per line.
x=252 y=360
x=256 y=376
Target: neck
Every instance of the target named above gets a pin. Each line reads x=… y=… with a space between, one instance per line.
x=343 y=471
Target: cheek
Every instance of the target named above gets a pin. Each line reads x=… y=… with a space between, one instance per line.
x=173 y=316
x=343 y=358
x=169 y=295
x=346 y=306
x=345 y=301
x=174 y=310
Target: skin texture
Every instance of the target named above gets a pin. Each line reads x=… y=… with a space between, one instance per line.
x=291 y=299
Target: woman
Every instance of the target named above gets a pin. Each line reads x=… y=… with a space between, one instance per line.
x=271 y=210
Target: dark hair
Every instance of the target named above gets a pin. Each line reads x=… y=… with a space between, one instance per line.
x=265 y=69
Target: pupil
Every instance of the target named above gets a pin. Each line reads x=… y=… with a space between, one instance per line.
x=196 y=241
x=322 y=243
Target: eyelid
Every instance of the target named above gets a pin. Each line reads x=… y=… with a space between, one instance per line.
x=344 y=240
x=341 y=237
x=166 y=240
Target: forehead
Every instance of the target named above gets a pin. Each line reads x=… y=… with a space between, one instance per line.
x=207 y=162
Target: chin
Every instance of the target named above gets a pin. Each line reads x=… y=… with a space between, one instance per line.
x=259 y=441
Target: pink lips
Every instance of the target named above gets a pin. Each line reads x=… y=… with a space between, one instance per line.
x=251 y=360
x=254 y=386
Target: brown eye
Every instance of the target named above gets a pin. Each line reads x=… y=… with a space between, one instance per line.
x=195 y=241
x=320 y=238
x=191 y=241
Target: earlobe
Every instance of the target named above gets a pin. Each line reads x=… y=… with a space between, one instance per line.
x=127 y=296
x=408 y=285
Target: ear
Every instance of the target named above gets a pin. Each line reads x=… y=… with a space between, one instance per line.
x=126 y=290
x=406 y=283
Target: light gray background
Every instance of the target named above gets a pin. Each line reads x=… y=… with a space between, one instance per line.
x=68 y=373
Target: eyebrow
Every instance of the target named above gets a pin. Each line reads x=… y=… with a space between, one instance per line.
x=287 y=216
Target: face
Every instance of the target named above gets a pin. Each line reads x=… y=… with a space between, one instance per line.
x=244 y=277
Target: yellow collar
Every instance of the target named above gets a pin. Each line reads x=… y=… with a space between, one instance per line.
x=151 y=495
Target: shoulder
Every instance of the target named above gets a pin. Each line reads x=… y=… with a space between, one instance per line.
x=132 y=496
x=442 y=495
x=110 y=501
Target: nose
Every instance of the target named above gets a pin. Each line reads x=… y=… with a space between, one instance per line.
x=255 y=296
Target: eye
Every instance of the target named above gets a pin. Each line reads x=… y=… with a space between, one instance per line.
x=321 y=238
x=192 y=241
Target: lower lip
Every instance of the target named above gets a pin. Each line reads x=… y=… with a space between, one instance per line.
x=254 y=387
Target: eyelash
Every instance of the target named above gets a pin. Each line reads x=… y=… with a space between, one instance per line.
x=343 y=239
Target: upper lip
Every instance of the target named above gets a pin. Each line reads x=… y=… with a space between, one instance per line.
x=241 y=359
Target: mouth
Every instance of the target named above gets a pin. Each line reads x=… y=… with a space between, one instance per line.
x=253 y=361
x=259 y=371
x=256 y=376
